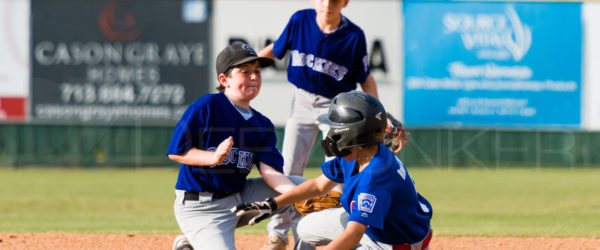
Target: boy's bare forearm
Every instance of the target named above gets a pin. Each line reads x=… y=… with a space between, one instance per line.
x=349 y=238
x=308 y=189
x=275 y=179
x=200 y=158
x=267 y=52
x=370 y=86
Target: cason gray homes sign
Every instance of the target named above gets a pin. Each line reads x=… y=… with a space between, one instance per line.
x=126 y=62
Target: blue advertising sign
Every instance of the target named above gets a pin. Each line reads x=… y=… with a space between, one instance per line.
x=493 y=64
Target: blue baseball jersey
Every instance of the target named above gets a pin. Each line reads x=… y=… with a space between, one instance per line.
x=323 y=64
x=383 y=197
x=204 y=125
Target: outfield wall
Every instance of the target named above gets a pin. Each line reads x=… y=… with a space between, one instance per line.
x=27 y=145
x=92 y=94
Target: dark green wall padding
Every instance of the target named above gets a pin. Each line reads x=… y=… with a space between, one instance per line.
x=25 y=145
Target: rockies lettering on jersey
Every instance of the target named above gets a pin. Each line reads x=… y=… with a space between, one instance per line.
x=318 y=64
x=242 y=158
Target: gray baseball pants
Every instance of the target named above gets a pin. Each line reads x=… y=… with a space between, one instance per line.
x=320 y=228
x=301 y=130
x=209 y=224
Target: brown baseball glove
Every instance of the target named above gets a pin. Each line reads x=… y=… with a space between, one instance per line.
x=395 y=135
x=319 y=203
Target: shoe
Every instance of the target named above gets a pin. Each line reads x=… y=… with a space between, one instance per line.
x=274 y=243
x=182 y=243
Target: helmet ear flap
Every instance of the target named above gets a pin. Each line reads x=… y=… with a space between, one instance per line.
x=330 y=148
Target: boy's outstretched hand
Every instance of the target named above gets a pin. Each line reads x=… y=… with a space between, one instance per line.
x=223 y=150
x=261 y=210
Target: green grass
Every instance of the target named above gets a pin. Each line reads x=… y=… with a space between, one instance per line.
x=547 y=202
x=87 y=201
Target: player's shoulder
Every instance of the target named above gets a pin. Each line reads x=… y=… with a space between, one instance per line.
x=264 y=120
x=353 y=29
x=304 y=13
x=212 y=97
x=384 y=162
x=385 y=154
x=301 y=16
x=206 y=101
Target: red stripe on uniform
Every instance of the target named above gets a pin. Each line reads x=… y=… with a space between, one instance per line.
x=423 y=246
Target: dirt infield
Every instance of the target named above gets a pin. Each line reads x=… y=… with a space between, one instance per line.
x=252 y=242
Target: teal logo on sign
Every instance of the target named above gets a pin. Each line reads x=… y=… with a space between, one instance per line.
x=496 y=36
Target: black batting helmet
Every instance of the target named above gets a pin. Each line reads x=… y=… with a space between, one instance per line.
x=355 y=119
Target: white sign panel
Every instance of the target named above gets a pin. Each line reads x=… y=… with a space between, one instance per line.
x=14 y=48
x=260 y=22
x=591 y=104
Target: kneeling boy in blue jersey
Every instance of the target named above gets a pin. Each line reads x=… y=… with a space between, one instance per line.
x=217 y=142
x=381 y=207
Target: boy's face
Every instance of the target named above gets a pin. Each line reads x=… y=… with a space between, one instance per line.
x=244 y=81
x=329 y=9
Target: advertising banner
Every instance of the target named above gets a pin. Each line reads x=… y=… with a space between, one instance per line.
x=493 y=64
x=106 y=61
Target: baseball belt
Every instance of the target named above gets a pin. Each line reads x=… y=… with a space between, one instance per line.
x=194 y=196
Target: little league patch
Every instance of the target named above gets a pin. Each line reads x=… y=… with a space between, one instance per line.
x=366 y=202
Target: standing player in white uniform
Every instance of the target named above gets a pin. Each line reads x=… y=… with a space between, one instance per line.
x=217 y=141
x=328 y=56
x=381 y=208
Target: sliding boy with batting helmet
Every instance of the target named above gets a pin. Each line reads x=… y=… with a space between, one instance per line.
x=381 y=208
